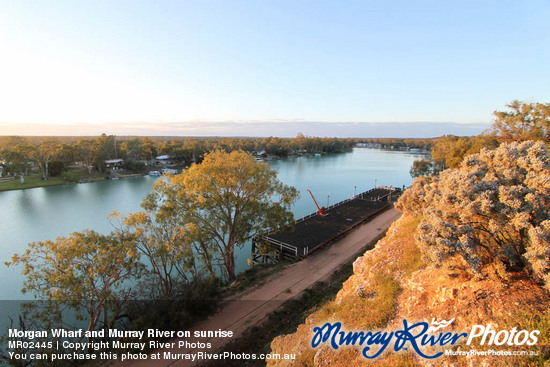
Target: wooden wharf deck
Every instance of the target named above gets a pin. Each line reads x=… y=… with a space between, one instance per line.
x=314 y=231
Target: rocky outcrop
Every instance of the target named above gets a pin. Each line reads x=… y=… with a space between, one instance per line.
x=391 y=283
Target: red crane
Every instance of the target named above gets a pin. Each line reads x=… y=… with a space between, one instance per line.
x=321 y=209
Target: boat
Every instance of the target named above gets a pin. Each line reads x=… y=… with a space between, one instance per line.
x=154 y=173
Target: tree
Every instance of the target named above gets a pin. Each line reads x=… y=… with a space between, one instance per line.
x=132 y=149
x=55 y=168
x=85 y=151
x=66 y=154
x=85 y=272
x=450 y=150
x=160 y=238
x=17 y=157
x=224 y=202
x=44 y=154
x=524 y=121
x=149 y=148
x=105 y=149
x=421 y=167
x=490 y=214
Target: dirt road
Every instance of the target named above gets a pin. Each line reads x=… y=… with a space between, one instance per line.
x=252 y=308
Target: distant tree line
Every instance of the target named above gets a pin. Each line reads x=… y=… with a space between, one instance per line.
x=55 y=155
x=397 y=143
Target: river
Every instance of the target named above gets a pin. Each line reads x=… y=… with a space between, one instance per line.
x=46 y=213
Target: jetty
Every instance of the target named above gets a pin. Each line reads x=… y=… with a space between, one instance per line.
x=315 y=230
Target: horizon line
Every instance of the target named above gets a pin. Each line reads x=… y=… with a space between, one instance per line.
x=412 y=129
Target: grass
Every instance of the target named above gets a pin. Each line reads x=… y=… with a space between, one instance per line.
x=31 y=181
x=357 y=313
x=35 y=180
x=82 y=175
x=533 y=320
x=411 y=259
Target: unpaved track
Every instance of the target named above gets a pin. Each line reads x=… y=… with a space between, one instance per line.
x=253 y=307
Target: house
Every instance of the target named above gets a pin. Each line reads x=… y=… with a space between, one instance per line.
x=164 y=160
x=114 y=163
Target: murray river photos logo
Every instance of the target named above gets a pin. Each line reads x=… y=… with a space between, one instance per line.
x=417 y=336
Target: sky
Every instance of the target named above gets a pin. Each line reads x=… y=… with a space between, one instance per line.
x=226 y=67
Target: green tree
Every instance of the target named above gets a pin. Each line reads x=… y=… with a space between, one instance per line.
x=105 y=149
x=224 y=202
x=18 y=157
x=45 y=153
x=450 y=150
x=55 y=168
x=159 y=236
x=66 y=154
x=84 y=272
x=523 y=121
x=132 y=149
x=85 y=151
x=421 y=167
x=149 y=149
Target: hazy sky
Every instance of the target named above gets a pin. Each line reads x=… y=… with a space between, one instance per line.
x=154 y=62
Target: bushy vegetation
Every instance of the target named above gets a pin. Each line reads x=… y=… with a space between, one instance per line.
x=449 y=150
x=522 y=122
x=490 y=215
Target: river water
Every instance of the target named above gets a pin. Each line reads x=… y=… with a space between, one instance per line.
x=48 y=212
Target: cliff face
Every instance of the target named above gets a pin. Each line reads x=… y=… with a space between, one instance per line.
x=391 y=283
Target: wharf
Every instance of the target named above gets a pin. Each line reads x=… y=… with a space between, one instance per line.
x=314 y=231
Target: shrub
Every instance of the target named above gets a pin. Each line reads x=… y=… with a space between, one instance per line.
x=490 y=214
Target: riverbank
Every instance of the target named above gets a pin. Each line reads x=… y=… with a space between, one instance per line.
x=71 y=177
x=31 y=181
